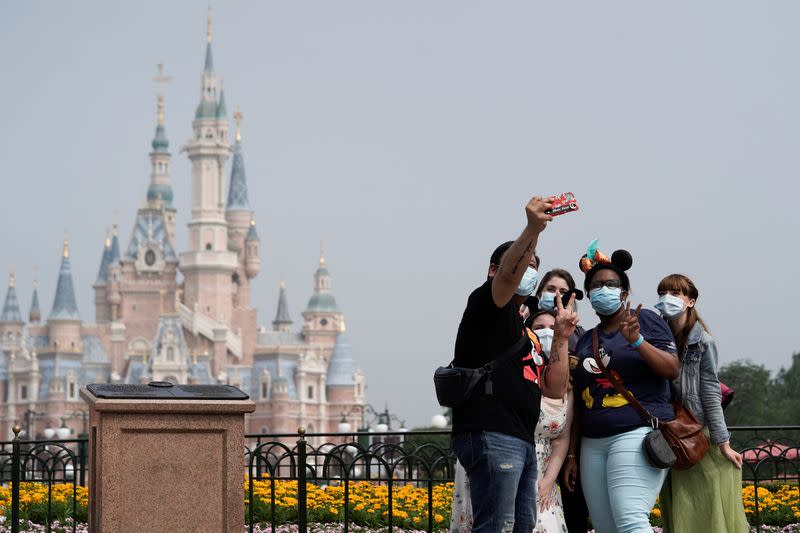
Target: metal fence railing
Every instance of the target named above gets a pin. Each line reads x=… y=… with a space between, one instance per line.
x=390 y=460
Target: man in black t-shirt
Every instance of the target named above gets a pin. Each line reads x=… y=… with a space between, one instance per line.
x=493 y=431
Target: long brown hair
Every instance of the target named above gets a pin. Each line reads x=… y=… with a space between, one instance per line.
x=555 y=273
x=682 y=284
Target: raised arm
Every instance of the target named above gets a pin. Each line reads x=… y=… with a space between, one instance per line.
x=556 y=374
x=663 y=363
x=518 y=256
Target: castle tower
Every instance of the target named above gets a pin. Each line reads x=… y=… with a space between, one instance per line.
x=209 y=266
x=35 y=314
x=323 y=320
x=159 y=194
x=102 y=312
x=283 y=321
x=64 y=322
x=345 y=382
x=11 y=324
x=113 y=279
x=239 y=217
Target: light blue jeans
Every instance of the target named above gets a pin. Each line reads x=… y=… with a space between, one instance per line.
x=619 y=484
x=502 y=480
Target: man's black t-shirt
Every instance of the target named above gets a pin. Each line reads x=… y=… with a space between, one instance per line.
x=485 y=333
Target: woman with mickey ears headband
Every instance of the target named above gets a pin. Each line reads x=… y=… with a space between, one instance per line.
x=637 y=348
x=707 y=496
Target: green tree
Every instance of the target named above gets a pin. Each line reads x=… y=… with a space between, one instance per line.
x=787 y=394
x=754 y=389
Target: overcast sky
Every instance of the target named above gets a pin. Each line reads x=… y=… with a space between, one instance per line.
x=409 y=135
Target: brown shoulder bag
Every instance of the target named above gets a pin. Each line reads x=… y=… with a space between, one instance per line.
x=684 y=434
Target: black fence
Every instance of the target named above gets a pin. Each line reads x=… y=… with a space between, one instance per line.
x=390 y=460
x=339 y=459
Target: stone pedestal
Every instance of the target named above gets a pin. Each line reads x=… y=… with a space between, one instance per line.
x=158 y=465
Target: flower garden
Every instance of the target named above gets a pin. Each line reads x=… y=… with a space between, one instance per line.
x=778 y=507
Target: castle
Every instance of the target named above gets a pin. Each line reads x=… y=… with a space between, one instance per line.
x=201 y=330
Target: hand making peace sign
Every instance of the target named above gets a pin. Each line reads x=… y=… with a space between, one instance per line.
x=629 y=326
x=566 y=317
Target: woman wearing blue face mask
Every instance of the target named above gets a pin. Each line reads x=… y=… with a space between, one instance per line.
x=706 y=497
x=638 y=348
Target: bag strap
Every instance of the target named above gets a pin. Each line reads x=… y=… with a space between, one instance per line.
x=508 y=355
x=650 y=419
x=498 y=361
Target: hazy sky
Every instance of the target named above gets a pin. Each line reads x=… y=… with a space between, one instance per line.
x=409 y=135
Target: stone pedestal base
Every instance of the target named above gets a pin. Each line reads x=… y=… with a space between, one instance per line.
x=166 y=465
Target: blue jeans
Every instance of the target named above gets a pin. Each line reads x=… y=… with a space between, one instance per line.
x=502 y=476
x=619 y=484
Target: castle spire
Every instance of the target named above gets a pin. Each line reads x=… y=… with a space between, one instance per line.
x=160 y=186
x=222 y=110
x=237 y=190
x=209 y=65
x=283 y=320
x=114 y=257
x=11 y=307
x=35 y=314
x=102 y=274
x=207 y=109
x=64 y=305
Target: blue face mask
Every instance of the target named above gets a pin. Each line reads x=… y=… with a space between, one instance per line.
x=548 y=301
x=606 y=300
x=528 y=282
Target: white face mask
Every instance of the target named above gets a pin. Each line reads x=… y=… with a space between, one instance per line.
x=670 y=306
x=545 y=336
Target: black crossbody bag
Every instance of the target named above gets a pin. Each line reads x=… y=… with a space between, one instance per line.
x=454 y=384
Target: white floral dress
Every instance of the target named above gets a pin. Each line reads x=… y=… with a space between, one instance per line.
x=552 y=421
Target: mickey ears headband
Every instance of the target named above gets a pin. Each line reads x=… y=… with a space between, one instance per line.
x=620 y=259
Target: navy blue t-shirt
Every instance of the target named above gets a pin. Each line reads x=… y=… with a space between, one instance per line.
x=605 y=412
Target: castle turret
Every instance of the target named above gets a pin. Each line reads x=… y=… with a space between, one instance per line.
x=11 y=312
x=252 y=244
x=209 y=267
x=283 y=321
x=323 y=320
x=11 y=324
x=102 y=312
x=64 y=322
x=159 y=193
x=35 y=314
x=344 y=381
x=237 y=209
x=114 y=268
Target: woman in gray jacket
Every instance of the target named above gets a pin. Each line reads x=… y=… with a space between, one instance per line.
x=708 y=496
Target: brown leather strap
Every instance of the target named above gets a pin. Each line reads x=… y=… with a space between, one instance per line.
x=650 y=419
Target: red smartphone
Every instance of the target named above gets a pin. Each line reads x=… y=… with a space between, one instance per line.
x=563 y=203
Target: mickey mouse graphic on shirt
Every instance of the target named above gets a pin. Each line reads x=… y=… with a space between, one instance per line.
x=602 y=393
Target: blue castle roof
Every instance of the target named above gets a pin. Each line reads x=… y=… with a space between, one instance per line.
x=11 y=311
x=64 y=304
x=342 y=365
x=237 y=191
